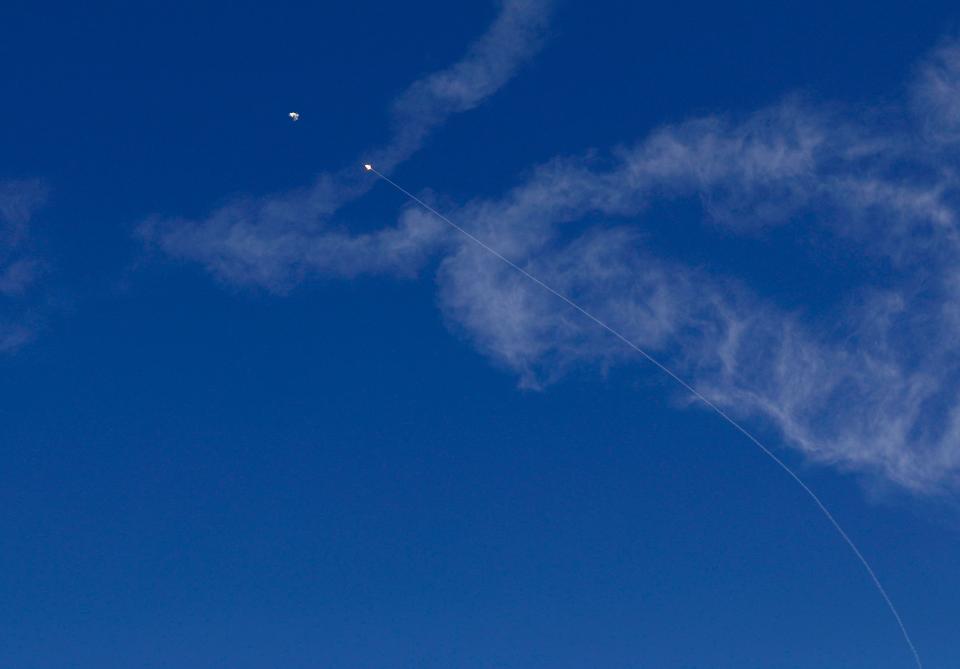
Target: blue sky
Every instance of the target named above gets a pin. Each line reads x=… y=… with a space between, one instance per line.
x=258 y=410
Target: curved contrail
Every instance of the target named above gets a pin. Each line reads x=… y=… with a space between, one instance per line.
x=663 y=368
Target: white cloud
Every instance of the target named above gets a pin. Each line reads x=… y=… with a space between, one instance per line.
x=878 y=391
x=514 y=37
x=18 y=267
x=17 y=275
x=243 y=251
x=937 y=93
x=871 y=387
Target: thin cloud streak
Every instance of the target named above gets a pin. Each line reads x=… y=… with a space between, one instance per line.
x=19 y=268
x=516 y=35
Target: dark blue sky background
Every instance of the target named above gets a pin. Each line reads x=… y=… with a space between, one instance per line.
x=199 y=475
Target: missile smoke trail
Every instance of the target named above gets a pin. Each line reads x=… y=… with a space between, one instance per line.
x=686 y=386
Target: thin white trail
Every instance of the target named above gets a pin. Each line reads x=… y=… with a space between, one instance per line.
x=656 y=363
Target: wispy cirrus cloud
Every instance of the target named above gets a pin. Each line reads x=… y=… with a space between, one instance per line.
x=935 y=93
x=873 y=387
x=275 y=241
x=876 y=391
x=19 y=268
x=516 y=35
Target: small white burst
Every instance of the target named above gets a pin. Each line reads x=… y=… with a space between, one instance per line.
x=368 y=167
x=294 y=116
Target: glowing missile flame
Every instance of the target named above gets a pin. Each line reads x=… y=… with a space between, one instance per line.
x=368 y=167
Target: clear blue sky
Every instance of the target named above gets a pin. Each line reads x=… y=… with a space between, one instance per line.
x=252 y=421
